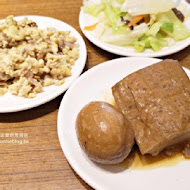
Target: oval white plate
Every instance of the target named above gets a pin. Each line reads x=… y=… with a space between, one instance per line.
x=11 y=103
x=89 y=87
x=86 y=20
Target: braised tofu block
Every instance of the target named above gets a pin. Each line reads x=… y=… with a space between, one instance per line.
x=156 y=101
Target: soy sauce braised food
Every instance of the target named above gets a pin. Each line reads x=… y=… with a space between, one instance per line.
x=153 y=104
x=104 y=133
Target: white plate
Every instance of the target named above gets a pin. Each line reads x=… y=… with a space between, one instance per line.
x=11 y=103
x=86 y=20
x=89 y=87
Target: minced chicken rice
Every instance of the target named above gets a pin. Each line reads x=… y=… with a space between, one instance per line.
x=31 y=58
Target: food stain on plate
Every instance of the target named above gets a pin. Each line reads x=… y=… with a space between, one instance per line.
x=106 y=96
x=137 y=161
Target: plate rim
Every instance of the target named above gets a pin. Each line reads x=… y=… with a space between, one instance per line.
x=113 y=48
x=77 y=73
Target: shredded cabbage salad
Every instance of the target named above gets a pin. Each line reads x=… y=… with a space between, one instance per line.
x=139 y=23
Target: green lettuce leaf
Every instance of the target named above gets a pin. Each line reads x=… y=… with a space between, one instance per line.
x=140 y=7
x=160 y=26
x=125 y=38
x=113 y=17
x=156 y=43
x=178 y=30
x=154 y=29
x=167 y=27
x=94 y=9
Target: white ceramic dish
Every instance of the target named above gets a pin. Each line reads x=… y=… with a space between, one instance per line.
x=86 y=20
x=89 y=87
x=11 y=103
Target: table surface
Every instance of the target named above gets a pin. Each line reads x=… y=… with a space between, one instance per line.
x=38 y=162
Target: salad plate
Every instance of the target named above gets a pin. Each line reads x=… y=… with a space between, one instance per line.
x=89 y=87
x=93 y=27
x=11 y=103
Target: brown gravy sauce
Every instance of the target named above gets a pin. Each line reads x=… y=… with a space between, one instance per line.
x=146 y=162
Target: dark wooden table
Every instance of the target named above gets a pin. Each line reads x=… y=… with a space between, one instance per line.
x=39 y=163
